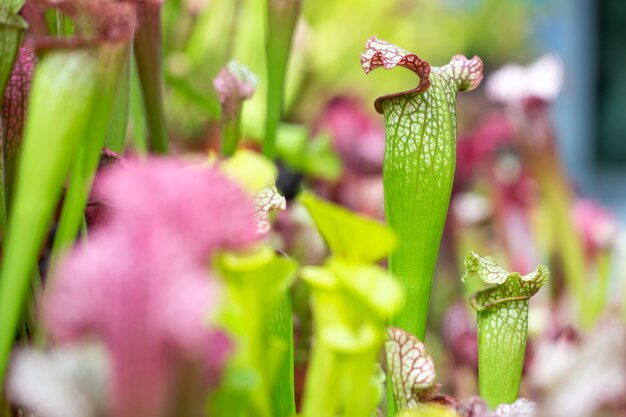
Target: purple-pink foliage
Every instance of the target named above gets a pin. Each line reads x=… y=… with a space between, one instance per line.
x=358 y=138
x=142 y=283
x=13 y=113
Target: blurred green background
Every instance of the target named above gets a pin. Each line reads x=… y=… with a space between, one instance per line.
x=201 y=36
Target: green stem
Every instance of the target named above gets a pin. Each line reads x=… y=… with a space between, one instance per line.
x=559 y=199
x=282 y=16
x=321 y=393
x=11 y=28
x=230 y=133
x=281 y=327
x=359 y=402
x=137 y=112
x=83 y=171
x=118 y=126
x=147 y=48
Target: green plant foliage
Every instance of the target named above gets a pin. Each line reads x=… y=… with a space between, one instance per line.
x=259 y=318
x=11 y=27
x=118 y=126
x=282 y=16
x=148 y=49
x=351 y=301
x=63 y=99
x=418 y=169
x=347 y=235
x=502 y=325
x=88 y=156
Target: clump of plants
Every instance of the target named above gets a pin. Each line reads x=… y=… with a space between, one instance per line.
x=140 y=277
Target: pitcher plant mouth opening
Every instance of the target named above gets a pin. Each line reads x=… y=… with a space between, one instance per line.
x=379 y=53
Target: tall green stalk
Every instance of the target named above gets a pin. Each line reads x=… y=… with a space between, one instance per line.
x=64 y=106
x=118 y=126
x=281 y=329
x=64 y=90
x=11 y=28
x=419 y=167
x=148 y=48
x=282 y=16
x=88 y=156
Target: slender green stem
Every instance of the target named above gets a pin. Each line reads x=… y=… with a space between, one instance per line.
x=281 y=327
x=230 y=133
x=321 y=394
x=147 y=48
x=11 y=28
x=137 y=112
x=118 y=127
x=558 y=198
x=86 y=163
x=282 y=16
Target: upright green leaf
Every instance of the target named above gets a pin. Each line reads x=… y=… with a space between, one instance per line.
x=348 y=235
x=148 y=49
x=88 y=156
x=64 y=90
x=63 y=106
x=419 y=166
x=118 y=126
x=282 y=16
x=11 y=27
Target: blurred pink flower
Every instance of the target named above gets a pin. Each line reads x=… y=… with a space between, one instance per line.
x=480 y=147
x=176 y=208
x=596 y=225
x=141 y=282
x=584 y=377
x=476 y=407
x=356 y=136
x=150 y=310
x=514 y=84
x=459 y=334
